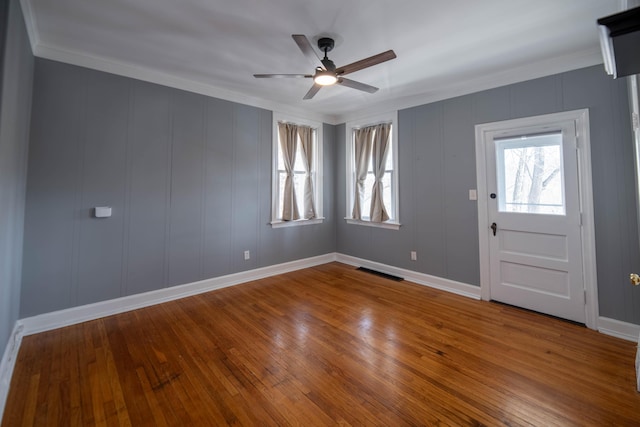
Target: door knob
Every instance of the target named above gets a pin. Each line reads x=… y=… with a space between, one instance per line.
x=494 y=227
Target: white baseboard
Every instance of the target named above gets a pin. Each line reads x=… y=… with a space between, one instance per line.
x=8 y=362
x=71 y=316
x=616 y=328
x=84 y=313
x=452 y=286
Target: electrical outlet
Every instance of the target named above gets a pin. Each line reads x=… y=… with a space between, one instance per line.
x=414 y=256
x=247 y=255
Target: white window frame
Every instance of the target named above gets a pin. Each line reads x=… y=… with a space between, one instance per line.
x=525 y=142
x=316 y=171
x=394 y=211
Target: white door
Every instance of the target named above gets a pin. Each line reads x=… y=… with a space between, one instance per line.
x=533 y=227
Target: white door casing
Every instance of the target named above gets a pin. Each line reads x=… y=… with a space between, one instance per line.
x=537 y=261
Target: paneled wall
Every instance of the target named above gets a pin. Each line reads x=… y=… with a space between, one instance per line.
x=437 y=168
x=16 y=73
x=188 y=178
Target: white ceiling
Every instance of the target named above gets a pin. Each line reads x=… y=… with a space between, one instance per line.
x=445 y=48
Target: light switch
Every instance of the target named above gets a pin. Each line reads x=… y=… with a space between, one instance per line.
x=473 y=194
x=102 y=211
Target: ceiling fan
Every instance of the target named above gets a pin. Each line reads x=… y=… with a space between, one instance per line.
x=328 y=74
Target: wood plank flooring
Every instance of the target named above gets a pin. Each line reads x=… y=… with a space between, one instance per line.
x=324 y=346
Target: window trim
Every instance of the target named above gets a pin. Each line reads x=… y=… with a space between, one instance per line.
x=388 y=117
x=318 y=178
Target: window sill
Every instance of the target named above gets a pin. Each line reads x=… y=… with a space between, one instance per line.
x=390 y=225
x=296 y=223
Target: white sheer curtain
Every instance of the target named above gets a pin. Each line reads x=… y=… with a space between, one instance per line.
x=362 y=153
x=306 y=145
x=380 y=149
x=288 y=142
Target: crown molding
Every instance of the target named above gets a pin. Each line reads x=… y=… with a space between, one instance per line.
x=543 y=68
x=153 y=76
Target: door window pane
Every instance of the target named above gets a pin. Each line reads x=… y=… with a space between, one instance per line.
x=530 y=174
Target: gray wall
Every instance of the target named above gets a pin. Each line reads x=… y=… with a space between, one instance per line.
x=188 y=177
x=168 y=162
x=437 y=168
x=16 y=73
x=4 y=13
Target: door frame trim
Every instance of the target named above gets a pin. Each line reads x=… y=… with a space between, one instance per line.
x=589 y=270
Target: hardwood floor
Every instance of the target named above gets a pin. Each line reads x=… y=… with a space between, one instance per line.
x=328 y=345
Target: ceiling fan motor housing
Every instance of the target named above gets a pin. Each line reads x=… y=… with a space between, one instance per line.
x=326 y=44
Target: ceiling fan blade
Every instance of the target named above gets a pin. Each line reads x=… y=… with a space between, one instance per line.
x=367 y=62
x=357 y=85
x=312 y=92
x=282 y=76
x=305 y=46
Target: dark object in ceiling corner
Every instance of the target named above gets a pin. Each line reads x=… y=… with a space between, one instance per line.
x=620 y=42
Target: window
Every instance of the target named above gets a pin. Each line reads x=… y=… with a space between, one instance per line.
x=529 y=174
x=297 y=177
x=372 y=172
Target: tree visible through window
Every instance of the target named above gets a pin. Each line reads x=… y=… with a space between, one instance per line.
x=530 y=172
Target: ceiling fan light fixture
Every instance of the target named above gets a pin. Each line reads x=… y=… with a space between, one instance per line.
x=325 y=78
